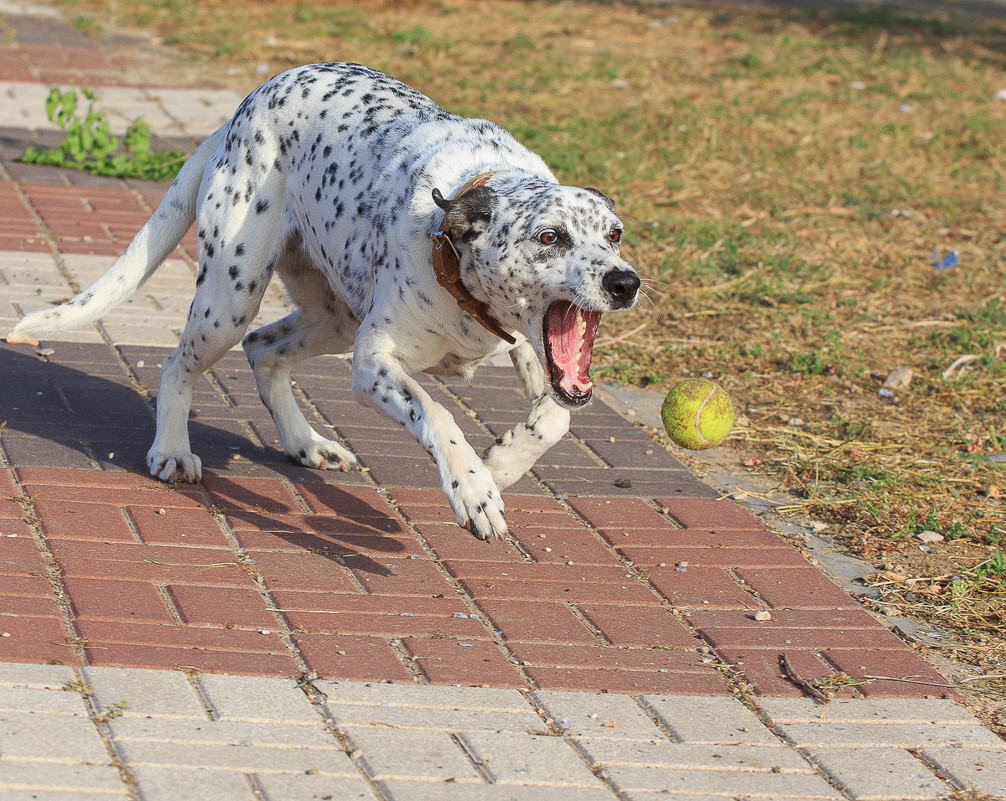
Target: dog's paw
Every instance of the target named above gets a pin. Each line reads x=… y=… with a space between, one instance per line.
x=168 y=466
x=477 y=503
x=507 y=461
x=321 y=454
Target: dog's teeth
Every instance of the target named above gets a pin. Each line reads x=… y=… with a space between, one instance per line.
x=581 y=325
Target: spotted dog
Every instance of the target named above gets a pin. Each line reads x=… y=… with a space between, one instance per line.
x=336 y=177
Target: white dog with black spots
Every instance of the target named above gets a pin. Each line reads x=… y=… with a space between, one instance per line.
x=335 y=176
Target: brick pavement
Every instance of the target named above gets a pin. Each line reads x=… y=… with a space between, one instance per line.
x=598 y=653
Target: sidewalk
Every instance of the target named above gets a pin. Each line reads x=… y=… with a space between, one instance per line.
x=281 y=633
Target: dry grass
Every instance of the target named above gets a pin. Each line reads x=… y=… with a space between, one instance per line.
x=786 y=180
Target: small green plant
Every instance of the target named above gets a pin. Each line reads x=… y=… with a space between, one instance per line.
x=81 y=687
x=117 y=710
x=89 y=144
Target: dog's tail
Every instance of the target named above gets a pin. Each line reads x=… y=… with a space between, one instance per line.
x=149 y=248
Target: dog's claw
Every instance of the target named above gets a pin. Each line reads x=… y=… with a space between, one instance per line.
x=187 y=467
x=482 y=515
x=324 y=454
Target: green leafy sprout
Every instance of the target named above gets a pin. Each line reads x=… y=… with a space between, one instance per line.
x=89 y=144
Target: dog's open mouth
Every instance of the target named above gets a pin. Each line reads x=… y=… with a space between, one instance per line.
x=569 y=340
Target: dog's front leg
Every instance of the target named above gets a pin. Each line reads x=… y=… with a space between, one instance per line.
x=380 y=380
x=519 y=448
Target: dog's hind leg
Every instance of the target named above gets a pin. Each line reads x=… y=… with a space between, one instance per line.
x=547 y=422
x=324 y=324
x=238 y=252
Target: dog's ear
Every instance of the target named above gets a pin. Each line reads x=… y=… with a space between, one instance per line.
x=610 y=203
x=468 y=214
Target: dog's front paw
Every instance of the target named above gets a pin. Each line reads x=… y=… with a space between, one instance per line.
x=507 y=461
x=168 y=466
x=321 y=454
x=477 y=503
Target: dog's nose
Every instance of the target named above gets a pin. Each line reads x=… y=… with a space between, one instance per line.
x=621 y=286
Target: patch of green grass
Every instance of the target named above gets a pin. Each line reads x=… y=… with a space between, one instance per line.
x=629 y=374
x=86 y=24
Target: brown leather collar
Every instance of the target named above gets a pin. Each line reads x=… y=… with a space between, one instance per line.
x=447 y=267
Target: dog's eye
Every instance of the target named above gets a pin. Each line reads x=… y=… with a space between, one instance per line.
x=615 y=235
x=548 y=237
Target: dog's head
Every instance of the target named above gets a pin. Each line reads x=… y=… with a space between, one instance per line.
x=545 y=258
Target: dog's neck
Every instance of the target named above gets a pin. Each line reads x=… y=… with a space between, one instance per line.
x=447 y=267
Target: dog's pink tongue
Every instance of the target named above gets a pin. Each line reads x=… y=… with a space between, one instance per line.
x=571 y=332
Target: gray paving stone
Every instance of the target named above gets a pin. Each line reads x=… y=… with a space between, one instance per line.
x=170 y=112
x=427 y=791
x=903 y=735
x=28 y=277
x=452 y=709
x=396 y=754
x=719 y=782
x=56 y=777
x=294 y=787
x=154 y=693
x=35 y=677
x=57 y=795
x=27 y=735
x=872 y=774
x=528 y=759
x=425 y=696
x=247 y=758
x=21 y=699
x=220 y=732
x=580 y=714
x=681 y=755
x=978 y=768
x=176 y=783
x=709 y=719
x=643 y=796
x=859 y=710
x=18 y=9
x=257 y=698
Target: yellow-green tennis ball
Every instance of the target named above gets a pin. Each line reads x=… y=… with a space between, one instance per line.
x=697 y=414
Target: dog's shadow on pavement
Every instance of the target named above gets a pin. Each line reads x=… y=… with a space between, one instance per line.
x=55 y=415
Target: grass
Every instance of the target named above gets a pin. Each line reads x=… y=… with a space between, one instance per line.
x=788 y=181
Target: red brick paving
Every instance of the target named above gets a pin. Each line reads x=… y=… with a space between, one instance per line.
x=80 y=219
x=152 y=579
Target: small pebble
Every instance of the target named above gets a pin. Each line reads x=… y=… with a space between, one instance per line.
x=763 y=615
x=141 y=363
x=5 y=634
x=45 y=351
x=264 y=631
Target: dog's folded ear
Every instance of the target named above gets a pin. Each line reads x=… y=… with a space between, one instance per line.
x=468 y=214
x=600 y=194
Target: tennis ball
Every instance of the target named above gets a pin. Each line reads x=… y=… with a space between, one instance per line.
x=697 y=414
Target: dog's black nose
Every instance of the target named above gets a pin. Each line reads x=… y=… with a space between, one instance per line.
x=621 y=285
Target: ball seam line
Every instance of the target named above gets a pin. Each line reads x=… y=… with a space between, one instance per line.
x=698 y=417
